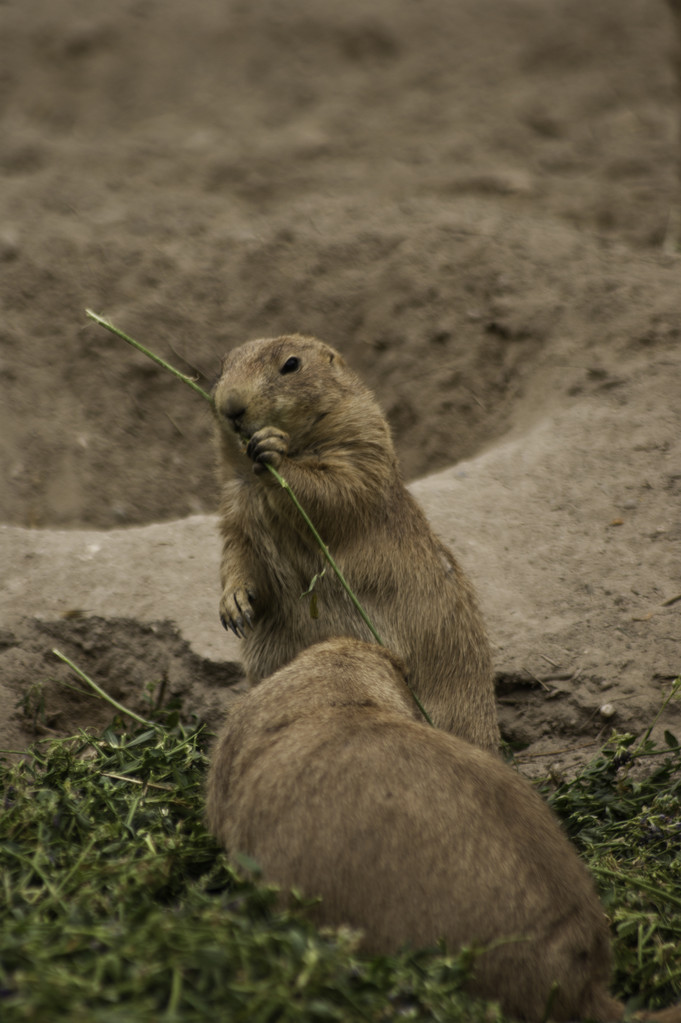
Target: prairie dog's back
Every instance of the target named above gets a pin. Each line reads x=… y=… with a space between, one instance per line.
x=324 y=776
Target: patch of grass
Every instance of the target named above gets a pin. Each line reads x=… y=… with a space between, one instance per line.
x=623 y=813
x=117 y=905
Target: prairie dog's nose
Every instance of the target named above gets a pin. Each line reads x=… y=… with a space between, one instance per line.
x=233 y=409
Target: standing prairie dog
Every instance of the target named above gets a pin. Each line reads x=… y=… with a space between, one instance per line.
x=292 y=402
x=328 y=778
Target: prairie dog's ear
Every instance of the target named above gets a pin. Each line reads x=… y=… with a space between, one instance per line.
x=336 y=359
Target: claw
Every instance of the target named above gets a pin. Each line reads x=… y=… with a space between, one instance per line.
x=237 y=616
x=245 y=615
x=231 y=626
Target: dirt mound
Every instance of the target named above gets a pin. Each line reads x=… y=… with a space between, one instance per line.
x=147 y=668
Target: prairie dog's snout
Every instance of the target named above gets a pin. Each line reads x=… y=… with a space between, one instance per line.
x=233 y=408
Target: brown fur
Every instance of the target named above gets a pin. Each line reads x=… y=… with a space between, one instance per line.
x=324 y=432
x=325 y=776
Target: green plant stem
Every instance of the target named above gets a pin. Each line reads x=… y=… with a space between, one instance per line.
x=673 y=690
x=104 y=695
x=150 y=355
x=279 y=478
x=637 y=882
x=327 y=553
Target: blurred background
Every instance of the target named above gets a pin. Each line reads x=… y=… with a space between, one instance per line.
x=475 y=201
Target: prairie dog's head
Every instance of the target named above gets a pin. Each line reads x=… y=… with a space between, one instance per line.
x=291 y=382
x=344 y=671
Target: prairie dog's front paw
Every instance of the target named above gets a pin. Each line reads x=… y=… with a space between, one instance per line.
x=268 y=446
x=236 y=610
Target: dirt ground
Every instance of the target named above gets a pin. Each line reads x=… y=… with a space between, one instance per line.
x=478 y=203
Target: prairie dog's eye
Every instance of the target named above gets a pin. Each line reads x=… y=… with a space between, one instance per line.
x=291 y=365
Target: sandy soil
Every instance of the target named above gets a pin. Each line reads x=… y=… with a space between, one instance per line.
x=478 y=203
